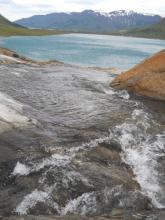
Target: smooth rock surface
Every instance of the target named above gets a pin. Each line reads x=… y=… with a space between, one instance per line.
x=76 y=155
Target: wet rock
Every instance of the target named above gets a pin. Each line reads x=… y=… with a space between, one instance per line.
x=94 y=181
x=103 y=166
x=113 y=145
x=104 y=155
x=135 y=201
x=116 y=214
x=42 y=208
x=146 y=79
x=68 y=185
x=13 y=188
x=71 y=217
x=15 y=145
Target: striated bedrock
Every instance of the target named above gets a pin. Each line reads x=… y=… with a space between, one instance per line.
x=145 y=79
x=54 y=164
x=71 y=148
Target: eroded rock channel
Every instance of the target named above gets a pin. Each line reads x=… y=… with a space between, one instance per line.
x=72 y=146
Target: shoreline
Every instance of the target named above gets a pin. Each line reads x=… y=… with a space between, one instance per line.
x=85 y=33
x=8 y=56
x=120 y=35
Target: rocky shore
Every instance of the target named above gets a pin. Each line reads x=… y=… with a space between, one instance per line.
x=61 y=157
x=10 y=57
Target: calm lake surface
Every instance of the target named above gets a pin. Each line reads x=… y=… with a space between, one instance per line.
x=86 y=49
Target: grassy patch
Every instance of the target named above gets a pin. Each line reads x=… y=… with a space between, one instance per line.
x=154 y=31
x=8 y=28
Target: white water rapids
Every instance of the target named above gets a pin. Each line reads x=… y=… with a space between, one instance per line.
x=67 y=102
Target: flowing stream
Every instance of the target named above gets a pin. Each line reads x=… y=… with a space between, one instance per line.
x=70 y=144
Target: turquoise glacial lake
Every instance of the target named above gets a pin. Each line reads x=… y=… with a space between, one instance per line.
x=85 y=49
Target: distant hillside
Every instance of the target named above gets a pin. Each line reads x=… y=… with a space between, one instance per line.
x=5 y=22
x=90 y=21
x=8 y=28
x=154 y=31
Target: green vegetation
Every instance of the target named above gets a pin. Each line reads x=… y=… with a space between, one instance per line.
x=154 y=31
x=8 y=28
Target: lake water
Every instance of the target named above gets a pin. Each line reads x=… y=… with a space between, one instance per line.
x=86 y=49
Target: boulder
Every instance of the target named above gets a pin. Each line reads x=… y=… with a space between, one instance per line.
x=145 y=79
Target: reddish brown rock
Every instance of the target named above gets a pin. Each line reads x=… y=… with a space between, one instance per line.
x=145 y=79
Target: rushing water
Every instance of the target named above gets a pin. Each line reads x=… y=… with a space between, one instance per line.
x=62 y=128
x=86 y=50
x=69 y=143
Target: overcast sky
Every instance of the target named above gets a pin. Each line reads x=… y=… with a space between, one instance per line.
x=15 y=9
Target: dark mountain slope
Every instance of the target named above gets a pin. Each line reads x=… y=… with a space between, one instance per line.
x=8 y=28
x=91 y=21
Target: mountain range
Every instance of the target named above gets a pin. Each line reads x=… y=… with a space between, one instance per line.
x=89 y=21
x=127 y=23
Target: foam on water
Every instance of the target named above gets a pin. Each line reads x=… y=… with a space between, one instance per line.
x=56 y=160
x=141 y=151
x=92 y=203
x=72 y=177
x=88 y=146
x=82 y=205
x=69 y=176
x=109 y=91
x=31 y=200
x=21 y=169
x=45 y=196
x=122 y=94
x=71 y=152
